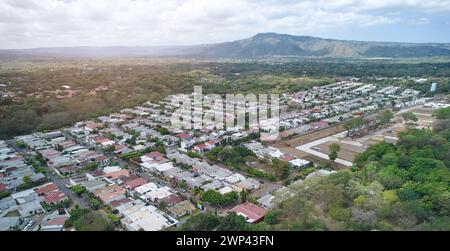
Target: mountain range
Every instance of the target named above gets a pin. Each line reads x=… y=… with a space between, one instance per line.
x=262 y=45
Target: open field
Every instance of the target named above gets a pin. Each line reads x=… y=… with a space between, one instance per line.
x=349 y=149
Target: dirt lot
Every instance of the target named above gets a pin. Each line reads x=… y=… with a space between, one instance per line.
x=347 y=152
x=308 y=137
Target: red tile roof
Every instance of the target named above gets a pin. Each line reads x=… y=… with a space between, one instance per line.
x=54 y=197
x=101 y=139
x=118 y=147
x=200 y=147
x=131 y=184
x=50 y=187
x=252 y=212
x=117 y=203
x=172 y=199
x=287 y=157
x=56 y=221
x=154 y=155
x=100 y=158
x=183 y=136
x=109 y=193
x=92 y=125
x=118 y=174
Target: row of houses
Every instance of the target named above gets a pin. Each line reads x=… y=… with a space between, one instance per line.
x=135 y=198
x=14 y=168
x=334 y=103
x=200 y=174
x=268 y=152
x=61 y=154
x=17 y=207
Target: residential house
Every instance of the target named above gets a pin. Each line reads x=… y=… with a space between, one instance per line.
x=251 y=212
x=110 y=193
x=181 y=208
x=137 y=216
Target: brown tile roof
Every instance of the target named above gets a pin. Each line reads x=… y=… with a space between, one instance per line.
x=250 y=210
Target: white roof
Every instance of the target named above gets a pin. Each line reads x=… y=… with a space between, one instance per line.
x=164 y=167
x=321 y=172
x=215 y=184
x=108 y=143
x=22 y=194
x=145 y=158
x=249 y=183
x=274 y=152
x=148 y=218
x=158 y=193
x=236 y=177
x=138 y=147
x=146 y=188
x=110 y=169
x=267 y=200
x=299 y=162
x=225 y=190
x=148 y=165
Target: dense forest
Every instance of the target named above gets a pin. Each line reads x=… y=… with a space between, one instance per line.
x=392 y=187
x=32 y=97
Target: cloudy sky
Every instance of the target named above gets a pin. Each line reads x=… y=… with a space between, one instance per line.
x=47 y=23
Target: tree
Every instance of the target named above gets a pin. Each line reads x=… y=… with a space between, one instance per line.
x=217 y=199
x=110 y=136
x=243 y=195
x=232 y=222
x=59 y=147
x=162 y=130
x=84 y=219
x=281 y=169
x=443 y=113
x=131 y=141
x=91 y=166
x=393 y=103
x=386 y=116
x=182 y=184
x=272 y=217
x=352 y=124
x=162 y=205
x=334 y=148
x=201 y=222
x=213 y=197
x=40 y=158
x=95 y=203
x=4 y=194
x=109 y=149
x=193 y=154
x=79 y=190
x=20 y=144
x=27 y=180
x=114 y=218
x=409 y=116
x=229 y=198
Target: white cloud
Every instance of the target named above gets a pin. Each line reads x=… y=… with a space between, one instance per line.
x=35 y=23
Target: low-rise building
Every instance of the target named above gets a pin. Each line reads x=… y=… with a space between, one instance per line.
x=181 y=209
x=137 y=216
x=110 y=193
x=251 y=212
